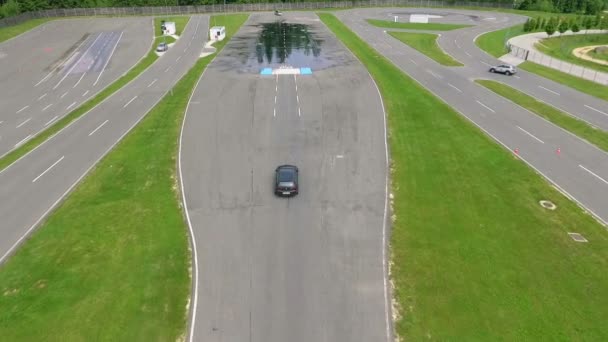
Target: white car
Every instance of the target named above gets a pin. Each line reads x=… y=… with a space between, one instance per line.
x=504 y=69
x=162 y=47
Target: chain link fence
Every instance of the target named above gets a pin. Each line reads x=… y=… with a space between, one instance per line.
x=232 y=8
x=558 y=64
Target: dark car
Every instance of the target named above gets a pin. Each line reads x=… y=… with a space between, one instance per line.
x=286 y=180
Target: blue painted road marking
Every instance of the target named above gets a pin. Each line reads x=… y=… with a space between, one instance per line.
x=266 y=71
x=305 y=71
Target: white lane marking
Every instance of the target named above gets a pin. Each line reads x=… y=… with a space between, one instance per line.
x=275 y=99
x=516 y=76
x=149 y=85
x=1 y=122
x=186 y=49
x=299 y=112
x=458 y=90
x=85 y=93
x=80 y=79
x=488 y=108
x=298 y=98
x=549 y=90
x=48 y=123
x=108 y=60
x=178 y=58
x=295 y=79
x=455 y=42
x=78 y=61
x=47 y=170
x=22 y=109
x=594 y=174
x=57 y=67
x=434 y=74
x=41 y=97
x=47 y=107
x=24 y=122
x=468 y=54
x=64 y=94
x=70 y=106
x=274 y=112
x=486 y=64
x=128 y=103
x=597 y=110
x=413 y=62
x=96 y=129
x=530 y=134
x=167 y=69
x=23 y=141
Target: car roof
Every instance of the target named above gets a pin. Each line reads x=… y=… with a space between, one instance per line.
x=286 y=167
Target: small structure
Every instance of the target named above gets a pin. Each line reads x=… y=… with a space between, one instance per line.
x=168 y=28
x=217 y=33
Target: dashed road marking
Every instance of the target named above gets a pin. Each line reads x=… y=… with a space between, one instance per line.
x=549 y=90
x=22 y=109
x=530 y=134
x=128 y=103
x=486 y=107
x=594 y=174
x=24 y=122
x=597 y=110
x=96 y=129
x=47 y=170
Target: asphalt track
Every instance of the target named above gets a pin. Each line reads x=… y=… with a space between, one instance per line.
x=54 y=68
x=32 y=186
x=578 y=169
x=308 y=268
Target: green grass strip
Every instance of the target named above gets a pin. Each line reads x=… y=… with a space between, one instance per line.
x=475 y=258
x=426 y=43
x=415 y=26
x=111 y=263
x=580 y=84
x=561 y=48
x=564 y=120
x=494 y=43
x=9 y=32
x=142 y=65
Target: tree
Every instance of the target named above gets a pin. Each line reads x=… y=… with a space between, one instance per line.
x=574 y=27
x=550 y=27
x=587 y=23
x=539 y=23
x=563 y=27
x=604 y=24
x=527 y=25
x=532 y=25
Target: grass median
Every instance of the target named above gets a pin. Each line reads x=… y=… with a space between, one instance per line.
x=415 y=26
x=578 y=127
x=9 y=32
x=494 y=43
x=474 y=256
x=111 y=263
x=42 y=136
x=426 y=43
x=580 y=84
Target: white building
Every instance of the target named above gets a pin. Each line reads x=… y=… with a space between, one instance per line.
x=217 y=33
x=168 y=28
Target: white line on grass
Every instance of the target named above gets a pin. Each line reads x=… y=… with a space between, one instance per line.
x=47 y=170
x=530 y=134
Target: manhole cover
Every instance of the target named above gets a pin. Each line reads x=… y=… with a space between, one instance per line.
x=548 y=205
x=577 y=237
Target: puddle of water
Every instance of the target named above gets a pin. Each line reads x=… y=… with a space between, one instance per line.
x=280 y=43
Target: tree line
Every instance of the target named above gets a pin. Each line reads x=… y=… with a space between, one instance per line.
x=564 y=6
x=560 y=24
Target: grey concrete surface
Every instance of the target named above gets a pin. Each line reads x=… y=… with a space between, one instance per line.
x=33 y=185
x=307 y=268
x=524 y=48
x=53 y=69
x=579 y=169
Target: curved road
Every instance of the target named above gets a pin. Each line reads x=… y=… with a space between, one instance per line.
x=308 y=268
x=579 y=169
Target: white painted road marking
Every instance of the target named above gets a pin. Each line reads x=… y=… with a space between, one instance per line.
x=41 y=97
x=167 y=69
x=178 y=58
x=488 y=108
x=455 y=42
x=516 y=76
x=85 y=93
x=22 y=109
x=47 y=107
x=434 y=74
x=23 y=141
x=24 y=122
x=96 y=129
x=78 y=61
x=597 y=110
x=128 y=103
x=70 y=106
x=108 y=60
x=64 y=94
x=486 y=64
x=458 y=90
x=149 y=85
x=413 y=62
x=47 y=170
x=48 y=123
x=594 y=174
x=549 y=90
x=80 y=79
x=468 y=54
x=530 y=134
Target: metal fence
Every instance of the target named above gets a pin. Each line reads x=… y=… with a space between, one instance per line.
x=558 y=64
x=231 y=8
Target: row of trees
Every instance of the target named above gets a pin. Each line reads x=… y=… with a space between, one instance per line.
x=564 y=6
x=561 y=25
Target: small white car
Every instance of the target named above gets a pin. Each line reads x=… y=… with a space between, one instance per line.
x=162 y=47
x=504 y=69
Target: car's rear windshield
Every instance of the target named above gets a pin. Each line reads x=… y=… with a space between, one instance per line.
x=285 y=176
